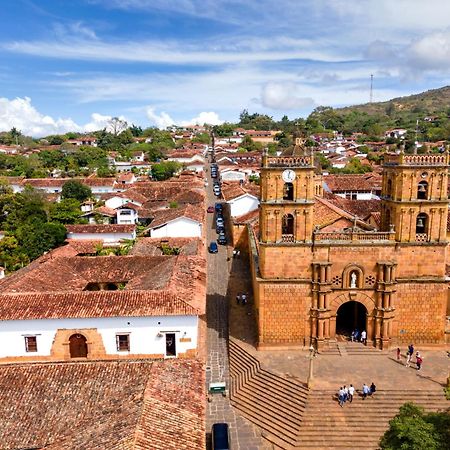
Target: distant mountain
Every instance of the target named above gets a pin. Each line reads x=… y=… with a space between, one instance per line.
x=430 y=102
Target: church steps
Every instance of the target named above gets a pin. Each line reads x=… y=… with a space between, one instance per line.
x=360 y=424
x=270 y=401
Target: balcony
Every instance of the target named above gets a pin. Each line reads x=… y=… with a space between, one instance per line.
x=354 y=236
x=421 y=237
x=287 y=238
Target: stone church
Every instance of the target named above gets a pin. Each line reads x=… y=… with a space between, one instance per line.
x=312 y=284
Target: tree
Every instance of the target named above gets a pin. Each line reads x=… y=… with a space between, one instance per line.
x=67 y=211
x=15 y=135
x=165 y=170
x=116 y=126
x=413 y=429
x=135 y=130
x=77 y=190
x=250 y=145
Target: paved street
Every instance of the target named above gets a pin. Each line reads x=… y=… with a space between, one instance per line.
x=244 y=435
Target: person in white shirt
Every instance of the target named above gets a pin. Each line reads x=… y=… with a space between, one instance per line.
x=345 y=393
x=351 y=392
x=364 y=337
x=341 y=397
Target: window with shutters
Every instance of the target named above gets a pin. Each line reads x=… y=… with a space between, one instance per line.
x=31 y=343
x=123 y=342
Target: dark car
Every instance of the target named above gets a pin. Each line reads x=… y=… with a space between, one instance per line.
x=220 y=436
x=220 y=229
x=210 y=209
x=222 y=239
x=218 y=206
x=213 y=248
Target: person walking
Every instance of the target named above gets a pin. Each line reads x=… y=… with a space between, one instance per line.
x=419 y=361
x=364 y=337
x=398 y=354
x=351 y=392
x=352 y=336
x=372 y=388
x=341 y=397
x=411 y=349
x=345 y=393
x=365 y=391
x=408 y=359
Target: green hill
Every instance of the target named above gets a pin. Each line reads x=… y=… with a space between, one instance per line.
x=434 y=101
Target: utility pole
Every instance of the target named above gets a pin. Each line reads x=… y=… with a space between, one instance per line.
x=371 y=88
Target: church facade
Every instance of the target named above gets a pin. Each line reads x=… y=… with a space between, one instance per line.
x=312 y=284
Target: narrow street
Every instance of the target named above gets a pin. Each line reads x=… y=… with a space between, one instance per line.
x=243 y=434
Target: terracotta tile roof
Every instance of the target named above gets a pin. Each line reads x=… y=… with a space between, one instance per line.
x=126 y=405
x=146 y=246
x=86 y=304
x=102 y=228
x=58 y=273
x=233 y=189
x=103 y=210
x=59 y=182
x=183 y=276
x=364 y=182
x=326 y=213
x=247 y=218
x=359 y=208
x=162 y=217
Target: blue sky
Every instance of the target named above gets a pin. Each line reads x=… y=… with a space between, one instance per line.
x=73 y=64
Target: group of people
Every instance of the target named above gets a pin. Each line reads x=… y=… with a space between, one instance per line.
x=409 y=356
x=357 y=337
x=345 y=394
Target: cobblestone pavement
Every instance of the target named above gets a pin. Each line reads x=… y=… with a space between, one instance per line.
x=243 y=434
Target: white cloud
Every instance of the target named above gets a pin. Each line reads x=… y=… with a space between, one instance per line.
x=209 y=118
x=21 y=114
x=162 y=120
x=430 y=52
x=284 y=96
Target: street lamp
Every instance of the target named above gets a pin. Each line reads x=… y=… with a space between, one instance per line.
x=311 y=356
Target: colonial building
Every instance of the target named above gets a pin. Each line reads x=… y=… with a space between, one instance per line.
x=313 y=284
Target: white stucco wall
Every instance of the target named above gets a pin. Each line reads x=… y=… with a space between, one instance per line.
x=106 y=237
x=243 y=205
x=126 y=216
x=143 y=333
x=181 y=227
x=232 y=175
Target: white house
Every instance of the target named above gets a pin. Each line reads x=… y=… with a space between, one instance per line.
x=232 y=175
x=243 y=204
x=111 y=233
x=178 y=222
x=96 y=324
x=127 y=214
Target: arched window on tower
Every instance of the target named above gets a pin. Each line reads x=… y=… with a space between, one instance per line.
x=287 y=228
x=421 y=226
x=388 y=219
x=389 y=189
x=422 y=190
x=288 y=191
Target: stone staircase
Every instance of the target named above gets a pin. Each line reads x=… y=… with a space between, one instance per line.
x=358 y=425
x=273 y=403
x=344 y=348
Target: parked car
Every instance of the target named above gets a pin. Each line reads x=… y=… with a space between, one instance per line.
x=222 y=239
x=218 y=207
x=220 y=436
x=220 y=222
x=210 y=209
x=213 y=248
x=220 y=229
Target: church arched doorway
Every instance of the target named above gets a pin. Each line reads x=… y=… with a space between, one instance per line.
x=351 y=316
x=78 y=346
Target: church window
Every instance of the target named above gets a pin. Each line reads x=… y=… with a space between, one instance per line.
x=287 y=225
x=421 y=223
x=422 y=190
x=288 y=191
